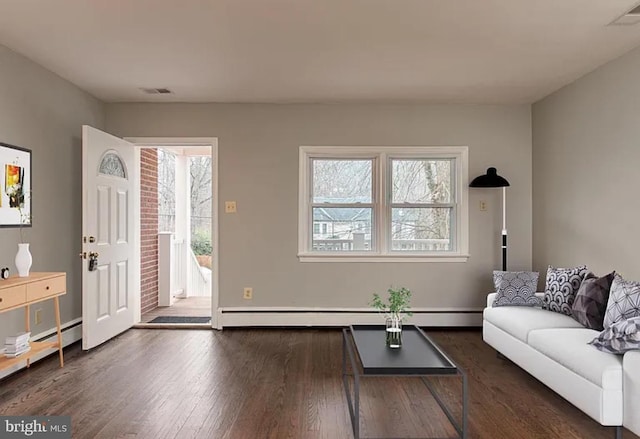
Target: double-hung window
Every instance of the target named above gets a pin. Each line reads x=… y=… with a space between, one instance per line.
x=383 y=203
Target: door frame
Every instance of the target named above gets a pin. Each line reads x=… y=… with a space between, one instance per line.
x=159 y=142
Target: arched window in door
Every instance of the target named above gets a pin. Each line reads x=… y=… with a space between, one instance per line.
x=112 y=165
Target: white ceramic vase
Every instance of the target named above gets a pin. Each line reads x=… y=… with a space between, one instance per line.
x=23 y=260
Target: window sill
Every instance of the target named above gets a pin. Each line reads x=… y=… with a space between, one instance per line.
x=360 y=257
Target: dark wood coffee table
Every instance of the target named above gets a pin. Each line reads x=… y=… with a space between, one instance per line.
x=419 y=357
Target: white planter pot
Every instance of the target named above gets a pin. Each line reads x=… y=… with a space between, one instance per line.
x=23 y=260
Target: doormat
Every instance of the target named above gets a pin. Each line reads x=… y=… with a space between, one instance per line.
x=180 y=319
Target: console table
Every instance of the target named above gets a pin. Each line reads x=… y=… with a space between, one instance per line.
x=22 y=292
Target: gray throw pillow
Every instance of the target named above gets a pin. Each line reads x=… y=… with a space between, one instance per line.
x=516 y=288
x=591 y=300
x=624 y=301
x=561 y=288
x=620 y=337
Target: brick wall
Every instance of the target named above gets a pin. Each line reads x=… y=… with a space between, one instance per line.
x=149 y=229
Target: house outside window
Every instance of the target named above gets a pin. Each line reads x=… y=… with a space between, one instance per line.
x=383 y=203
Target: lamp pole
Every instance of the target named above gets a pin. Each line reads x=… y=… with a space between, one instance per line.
x=504 y=228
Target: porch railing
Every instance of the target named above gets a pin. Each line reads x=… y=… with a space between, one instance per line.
x=425 y=245
x=179 y=274
x=199 y=282
x=179 y=269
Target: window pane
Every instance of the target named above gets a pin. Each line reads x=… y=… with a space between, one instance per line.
x=343 y=229
x=421 y=181
x=421 y=229
x=342 y=181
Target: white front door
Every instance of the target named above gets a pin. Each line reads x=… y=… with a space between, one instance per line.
x=108 y=206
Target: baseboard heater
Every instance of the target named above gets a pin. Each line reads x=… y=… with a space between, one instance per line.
x=71 y=333
x=309 y=317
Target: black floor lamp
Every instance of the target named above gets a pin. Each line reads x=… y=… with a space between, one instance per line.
x=492 y=179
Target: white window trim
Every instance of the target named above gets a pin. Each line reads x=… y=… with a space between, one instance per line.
x=461 y=153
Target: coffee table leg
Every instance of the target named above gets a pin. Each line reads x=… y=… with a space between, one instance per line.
x=344 y=353
x=356 y=427
x=464 y=405
x=354 y=406
x=461 y=427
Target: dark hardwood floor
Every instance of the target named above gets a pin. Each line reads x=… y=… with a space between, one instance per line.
x=274 y=383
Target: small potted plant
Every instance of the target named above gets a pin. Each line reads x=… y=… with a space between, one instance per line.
x=395 y=309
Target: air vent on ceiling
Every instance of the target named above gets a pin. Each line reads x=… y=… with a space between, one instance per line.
x=631 y=17
x=156 y=91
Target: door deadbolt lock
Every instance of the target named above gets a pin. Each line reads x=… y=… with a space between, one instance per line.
x=93 y=261
x=90 y=239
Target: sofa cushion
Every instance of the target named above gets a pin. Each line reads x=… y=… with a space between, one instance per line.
x=516 y=288
x=519 y=320
x=570 y=348
x=624 y=301
x=591 y=300
x=561 y=287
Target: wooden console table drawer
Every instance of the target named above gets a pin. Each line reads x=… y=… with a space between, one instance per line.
x=12 y=296
x=45 y=288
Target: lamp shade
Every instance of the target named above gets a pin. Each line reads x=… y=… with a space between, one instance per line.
x=490 y=179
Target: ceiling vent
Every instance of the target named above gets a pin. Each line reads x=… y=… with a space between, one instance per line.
x=630 y=18
x=156 y=91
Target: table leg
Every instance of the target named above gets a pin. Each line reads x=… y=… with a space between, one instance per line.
x=27 y=325
x=356 y=427
x=354 y=406
x=344 y=355
x=461 y=428
x=465 y=395
x=57 y=310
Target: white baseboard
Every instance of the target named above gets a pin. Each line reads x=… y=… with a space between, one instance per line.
x=308 y=317
x=71 y=333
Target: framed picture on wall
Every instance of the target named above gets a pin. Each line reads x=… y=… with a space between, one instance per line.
x=15 y=186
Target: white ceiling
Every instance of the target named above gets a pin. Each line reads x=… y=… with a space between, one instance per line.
x=472 y=51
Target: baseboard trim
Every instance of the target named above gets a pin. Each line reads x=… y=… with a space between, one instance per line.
x=309 y=317
x=71 y=333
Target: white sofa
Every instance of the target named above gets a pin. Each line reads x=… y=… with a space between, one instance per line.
x=553 y=348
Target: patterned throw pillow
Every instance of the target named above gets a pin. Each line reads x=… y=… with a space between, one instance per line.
x=516 y=288
x=561 y=288
x=591 y=300
x=620 y=337
x=624 y=301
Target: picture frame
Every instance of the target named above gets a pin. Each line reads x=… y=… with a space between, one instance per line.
x=15 y=186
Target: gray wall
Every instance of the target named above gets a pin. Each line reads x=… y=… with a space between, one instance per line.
x=43 y=112
x=586 y=156
x=258 y=152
